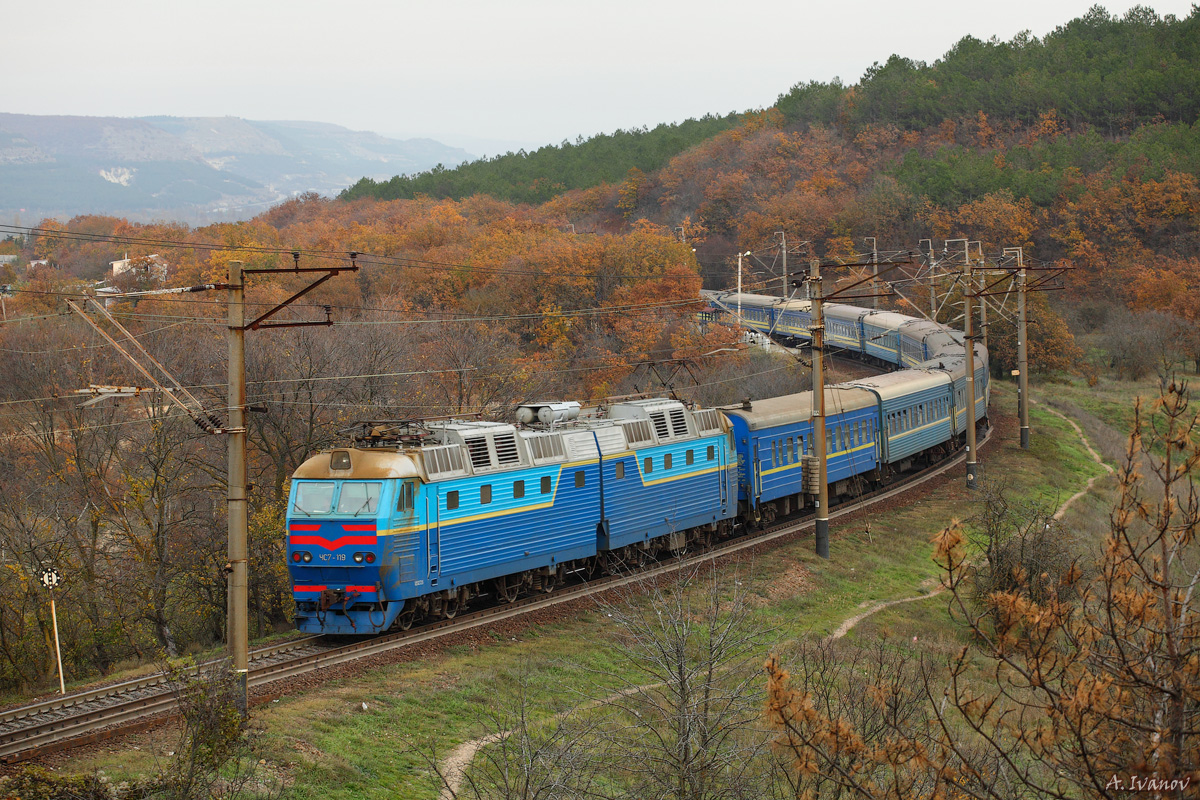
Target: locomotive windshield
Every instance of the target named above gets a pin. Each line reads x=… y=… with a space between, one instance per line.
x=314 y=498
x=352 y=497
x=358 y=498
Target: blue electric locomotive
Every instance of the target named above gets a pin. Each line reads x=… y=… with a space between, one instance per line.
x=415 y=520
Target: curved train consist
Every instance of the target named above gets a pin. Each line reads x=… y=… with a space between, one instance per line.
x=414 y=519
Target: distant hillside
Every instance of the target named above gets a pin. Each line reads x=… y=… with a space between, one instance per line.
x=548 y=171
x=190 y=168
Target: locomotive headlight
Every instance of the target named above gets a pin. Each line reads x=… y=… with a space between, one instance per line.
x=358 y=558
x=307 y=557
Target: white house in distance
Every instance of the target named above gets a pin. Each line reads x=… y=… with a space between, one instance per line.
x=155 y=264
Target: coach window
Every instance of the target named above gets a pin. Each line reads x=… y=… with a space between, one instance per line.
x=648 y=465
x=546 y=485
x=620 y=470
x=404 y=498
x=712 y=453
x=518 y=489
x=451 y=500
x=690 y=458
x=485 y=494
x=579 y=479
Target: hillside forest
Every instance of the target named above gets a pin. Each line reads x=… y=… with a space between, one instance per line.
x=571 y=272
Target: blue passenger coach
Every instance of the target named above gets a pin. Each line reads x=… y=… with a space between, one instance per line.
x=775 y=446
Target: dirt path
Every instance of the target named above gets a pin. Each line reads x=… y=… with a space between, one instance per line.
x=455 y=764
x=1088 y=445
x=849 y=624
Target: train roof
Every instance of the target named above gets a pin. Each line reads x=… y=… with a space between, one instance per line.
x=885 y=319
x=792 y=408
x=377 y=464
x=904 y=382
x=955 y=362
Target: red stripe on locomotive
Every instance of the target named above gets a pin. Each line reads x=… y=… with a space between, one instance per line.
x=333 y=544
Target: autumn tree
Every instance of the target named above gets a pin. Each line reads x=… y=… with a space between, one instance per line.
x=1090 y=678
x=681 y=725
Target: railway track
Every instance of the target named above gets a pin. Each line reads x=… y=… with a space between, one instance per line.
x=93 y=715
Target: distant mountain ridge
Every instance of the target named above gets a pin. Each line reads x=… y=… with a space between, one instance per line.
x=194 y=169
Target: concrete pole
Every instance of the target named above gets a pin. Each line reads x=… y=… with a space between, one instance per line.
x=968 y=287
x=983 y=325
x=783 y=250
x=818 y=347
x=739 y=303
x=237 y=627
x=932 y=288
x=874 y=273
x=1022 y=357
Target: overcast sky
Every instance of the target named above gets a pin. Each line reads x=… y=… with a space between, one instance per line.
x=472 y=73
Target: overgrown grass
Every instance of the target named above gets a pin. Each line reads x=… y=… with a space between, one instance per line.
x=330 y=747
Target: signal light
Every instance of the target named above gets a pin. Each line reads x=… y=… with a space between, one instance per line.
x=296 y=556
x=370 y=558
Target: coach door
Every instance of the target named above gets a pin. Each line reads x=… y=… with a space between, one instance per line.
x=756 y=477
x=722 y=464
x=433 y=538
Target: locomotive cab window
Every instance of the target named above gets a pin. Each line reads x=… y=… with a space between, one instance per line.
x=404 y=497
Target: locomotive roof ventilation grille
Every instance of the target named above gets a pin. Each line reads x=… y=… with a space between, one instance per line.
x=637 y=431
x=659 y=418
x=477 y=448
x=546 y=447
x=506 y=448
x=678 y=423
x=706 y=420
x=443 y=459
